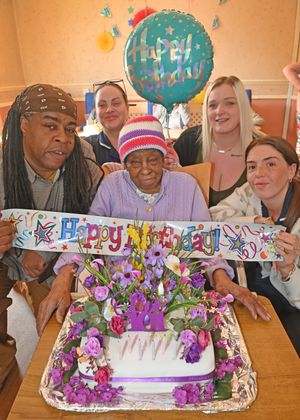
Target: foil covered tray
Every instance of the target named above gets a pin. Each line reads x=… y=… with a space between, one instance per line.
x=244 y=386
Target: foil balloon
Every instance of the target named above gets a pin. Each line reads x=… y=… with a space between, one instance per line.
x=168 y=58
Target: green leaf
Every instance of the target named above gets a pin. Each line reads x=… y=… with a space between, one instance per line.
x=68 y=373
x=221 y=353
x=209 y=326
x=197 y=322
x=79 y=316
x=228 y=377
x=223 y=390
x=111 y=334
x=91 y=308
x=178 y=324
x=68 y=347
x=216 y=335
x=102 y=327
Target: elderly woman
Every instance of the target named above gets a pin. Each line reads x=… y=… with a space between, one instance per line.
x=227 y=129
x=272 y=195
x=146 y=191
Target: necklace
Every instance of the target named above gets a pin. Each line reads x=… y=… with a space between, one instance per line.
x=224 y=151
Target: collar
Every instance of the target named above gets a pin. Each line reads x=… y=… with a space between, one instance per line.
x=285 y=207
x=33 y=176
x=104 y=141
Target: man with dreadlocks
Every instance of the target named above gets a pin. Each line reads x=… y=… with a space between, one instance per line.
x=45 y=167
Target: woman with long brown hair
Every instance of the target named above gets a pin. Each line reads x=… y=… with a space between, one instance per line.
x=272 y=195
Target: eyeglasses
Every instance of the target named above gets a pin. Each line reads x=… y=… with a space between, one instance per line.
x=119 y=82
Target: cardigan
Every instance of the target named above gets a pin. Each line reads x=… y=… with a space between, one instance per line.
x=243 y=206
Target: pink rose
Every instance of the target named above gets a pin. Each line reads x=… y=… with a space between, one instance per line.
x=75 y=309
x=203 y=339
x=102 y=376
x=116 y=325
x=217 y=319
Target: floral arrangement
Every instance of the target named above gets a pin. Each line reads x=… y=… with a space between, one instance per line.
x=146 y=274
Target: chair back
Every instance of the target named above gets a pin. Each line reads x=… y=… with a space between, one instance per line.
x=201 y=172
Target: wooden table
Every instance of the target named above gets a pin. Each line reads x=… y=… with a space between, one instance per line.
x=274 y=359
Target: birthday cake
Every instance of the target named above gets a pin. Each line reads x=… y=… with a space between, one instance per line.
x=147 y=326
x=148 y=362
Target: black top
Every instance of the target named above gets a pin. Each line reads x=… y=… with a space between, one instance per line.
x=103 y=149
x=286 y=205
x=188 y=146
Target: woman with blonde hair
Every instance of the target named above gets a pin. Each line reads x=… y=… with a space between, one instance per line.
x=227 y=129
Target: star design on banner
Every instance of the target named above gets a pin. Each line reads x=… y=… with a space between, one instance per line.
x=130 y=22
x=130 y=9
x=65 y=247
x=42 y=233
x=169 y=30
x=15 y=221
x=266 y=237
x=236 y=243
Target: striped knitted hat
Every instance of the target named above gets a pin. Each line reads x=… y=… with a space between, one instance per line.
x=141 y=133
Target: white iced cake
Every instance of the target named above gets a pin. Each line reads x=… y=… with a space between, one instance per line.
x=149 y=362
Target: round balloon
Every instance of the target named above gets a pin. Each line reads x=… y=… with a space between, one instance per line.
x=168 y=58
x=199 y=98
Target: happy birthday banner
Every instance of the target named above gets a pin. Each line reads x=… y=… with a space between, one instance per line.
x=62 y=232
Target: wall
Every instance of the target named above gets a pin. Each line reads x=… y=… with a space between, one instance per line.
x=58 y=39
x=55 y=42
x=11 y=72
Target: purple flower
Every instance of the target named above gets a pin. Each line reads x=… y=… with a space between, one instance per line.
x=89 y=281
x=208 y=392
x=198 y=280
x=148 y=279
x=94 y=332
x=170 y=284
x=92 y=347
x=97 y=263
x=76 y=330
x=193 y=393
x=188 y=337
x=68 y=389
x=82 y=396
x=200 y=311
x=224 y=366
x=192 y=355
x=228 y=298
x=156 y=256
x=221 y=344
x=127 y=251
x=158 y=272
x=127 y=275
x=56 y=376
x=180 y=396
x=101 y=293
